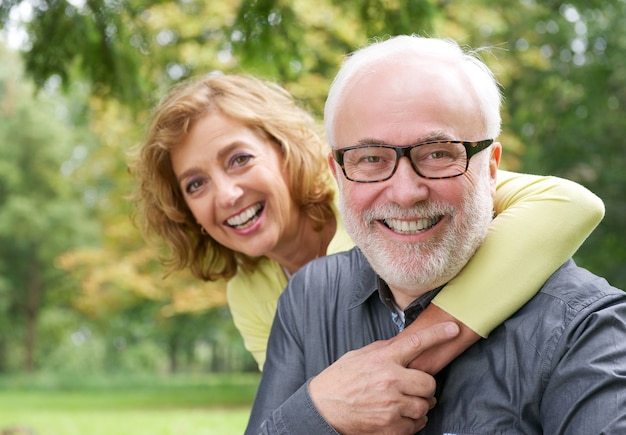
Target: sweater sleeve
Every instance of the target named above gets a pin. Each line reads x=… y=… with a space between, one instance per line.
x=540 y=222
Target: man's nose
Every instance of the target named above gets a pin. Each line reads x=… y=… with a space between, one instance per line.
x=406 y=186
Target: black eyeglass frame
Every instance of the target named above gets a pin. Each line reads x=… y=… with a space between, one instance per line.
x=471 y=148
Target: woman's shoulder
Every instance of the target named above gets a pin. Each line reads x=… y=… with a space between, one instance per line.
x=331 y=276
x=266 y=281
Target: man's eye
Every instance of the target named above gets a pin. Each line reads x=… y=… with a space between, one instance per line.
x=439 y=155
x=371 y=159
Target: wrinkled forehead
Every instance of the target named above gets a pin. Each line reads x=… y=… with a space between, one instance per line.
x=401 y=100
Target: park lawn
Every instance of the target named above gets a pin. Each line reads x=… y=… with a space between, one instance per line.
x=210 y=404
x=212 y=421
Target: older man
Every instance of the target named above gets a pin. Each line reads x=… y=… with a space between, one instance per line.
x=411 y=121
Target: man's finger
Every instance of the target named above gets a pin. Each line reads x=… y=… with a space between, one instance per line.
x=410 y=345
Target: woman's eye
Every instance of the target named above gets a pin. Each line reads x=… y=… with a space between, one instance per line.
x=239 y=160
x=193 y=186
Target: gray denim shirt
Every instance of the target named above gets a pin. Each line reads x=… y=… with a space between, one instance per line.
x=557 y=366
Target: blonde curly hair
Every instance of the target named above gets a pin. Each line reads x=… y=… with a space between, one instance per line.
x=160 y=206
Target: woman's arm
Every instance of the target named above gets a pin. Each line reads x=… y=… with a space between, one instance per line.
x=540 y=222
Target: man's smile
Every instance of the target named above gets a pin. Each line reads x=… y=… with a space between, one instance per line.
x=411 y=227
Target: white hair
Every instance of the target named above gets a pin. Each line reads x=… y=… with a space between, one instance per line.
x=479 y=75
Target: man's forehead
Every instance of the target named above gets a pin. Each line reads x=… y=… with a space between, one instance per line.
x=406 y=103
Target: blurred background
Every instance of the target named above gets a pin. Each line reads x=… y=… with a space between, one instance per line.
x=88 y=321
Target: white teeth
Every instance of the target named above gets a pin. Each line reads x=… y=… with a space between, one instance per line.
x=244 y=216
x=411 y=227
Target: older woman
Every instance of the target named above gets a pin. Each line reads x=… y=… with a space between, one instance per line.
x=233 y=176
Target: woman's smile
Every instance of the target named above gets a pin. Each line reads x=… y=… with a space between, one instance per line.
x=247 y=217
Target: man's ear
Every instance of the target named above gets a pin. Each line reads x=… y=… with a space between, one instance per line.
x=494 y=162
x=333 y=165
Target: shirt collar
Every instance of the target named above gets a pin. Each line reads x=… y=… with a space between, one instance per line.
x=420 y=303
x=368 y=283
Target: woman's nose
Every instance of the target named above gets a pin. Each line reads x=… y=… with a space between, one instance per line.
x=228 y=193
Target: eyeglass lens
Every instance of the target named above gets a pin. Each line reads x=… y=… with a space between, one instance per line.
x=378 y=162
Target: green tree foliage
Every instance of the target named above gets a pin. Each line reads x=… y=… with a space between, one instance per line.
x=127 y=49
x=42 y=213
x=65 y=40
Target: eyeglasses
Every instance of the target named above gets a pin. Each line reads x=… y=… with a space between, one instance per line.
x=371 y=163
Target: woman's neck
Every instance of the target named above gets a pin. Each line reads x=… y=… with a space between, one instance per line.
x=306 y=246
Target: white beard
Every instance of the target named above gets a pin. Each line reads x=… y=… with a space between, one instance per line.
x=418 y=267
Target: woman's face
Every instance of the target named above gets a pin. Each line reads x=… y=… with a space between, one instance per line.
x=233 y=181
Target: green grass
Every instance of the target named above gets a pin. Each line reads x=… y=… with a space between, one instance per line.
x=180 y=405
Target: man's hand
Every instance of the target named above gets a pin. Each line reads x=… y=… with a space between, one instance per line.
x=433 y=359
x=371 y=390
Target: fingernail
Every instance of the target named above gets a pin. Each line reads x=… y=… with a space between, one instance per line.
x=452 y=329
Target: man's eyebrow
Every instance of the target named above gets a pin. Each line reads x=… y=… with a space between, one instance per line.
x=370 y=141
x=430 y=137
x=435 y=136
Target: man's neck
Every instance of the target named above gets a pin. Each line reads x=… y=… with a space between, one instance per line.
x=403 y=298
x=397 y=300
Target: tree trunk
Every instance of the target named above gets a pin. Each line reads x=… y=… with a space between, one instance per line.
x=33 y=301
x=3 y=354
x=172 y=350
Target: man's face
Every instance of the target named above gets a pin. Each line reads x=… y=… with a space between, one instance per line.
x=417 y=233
